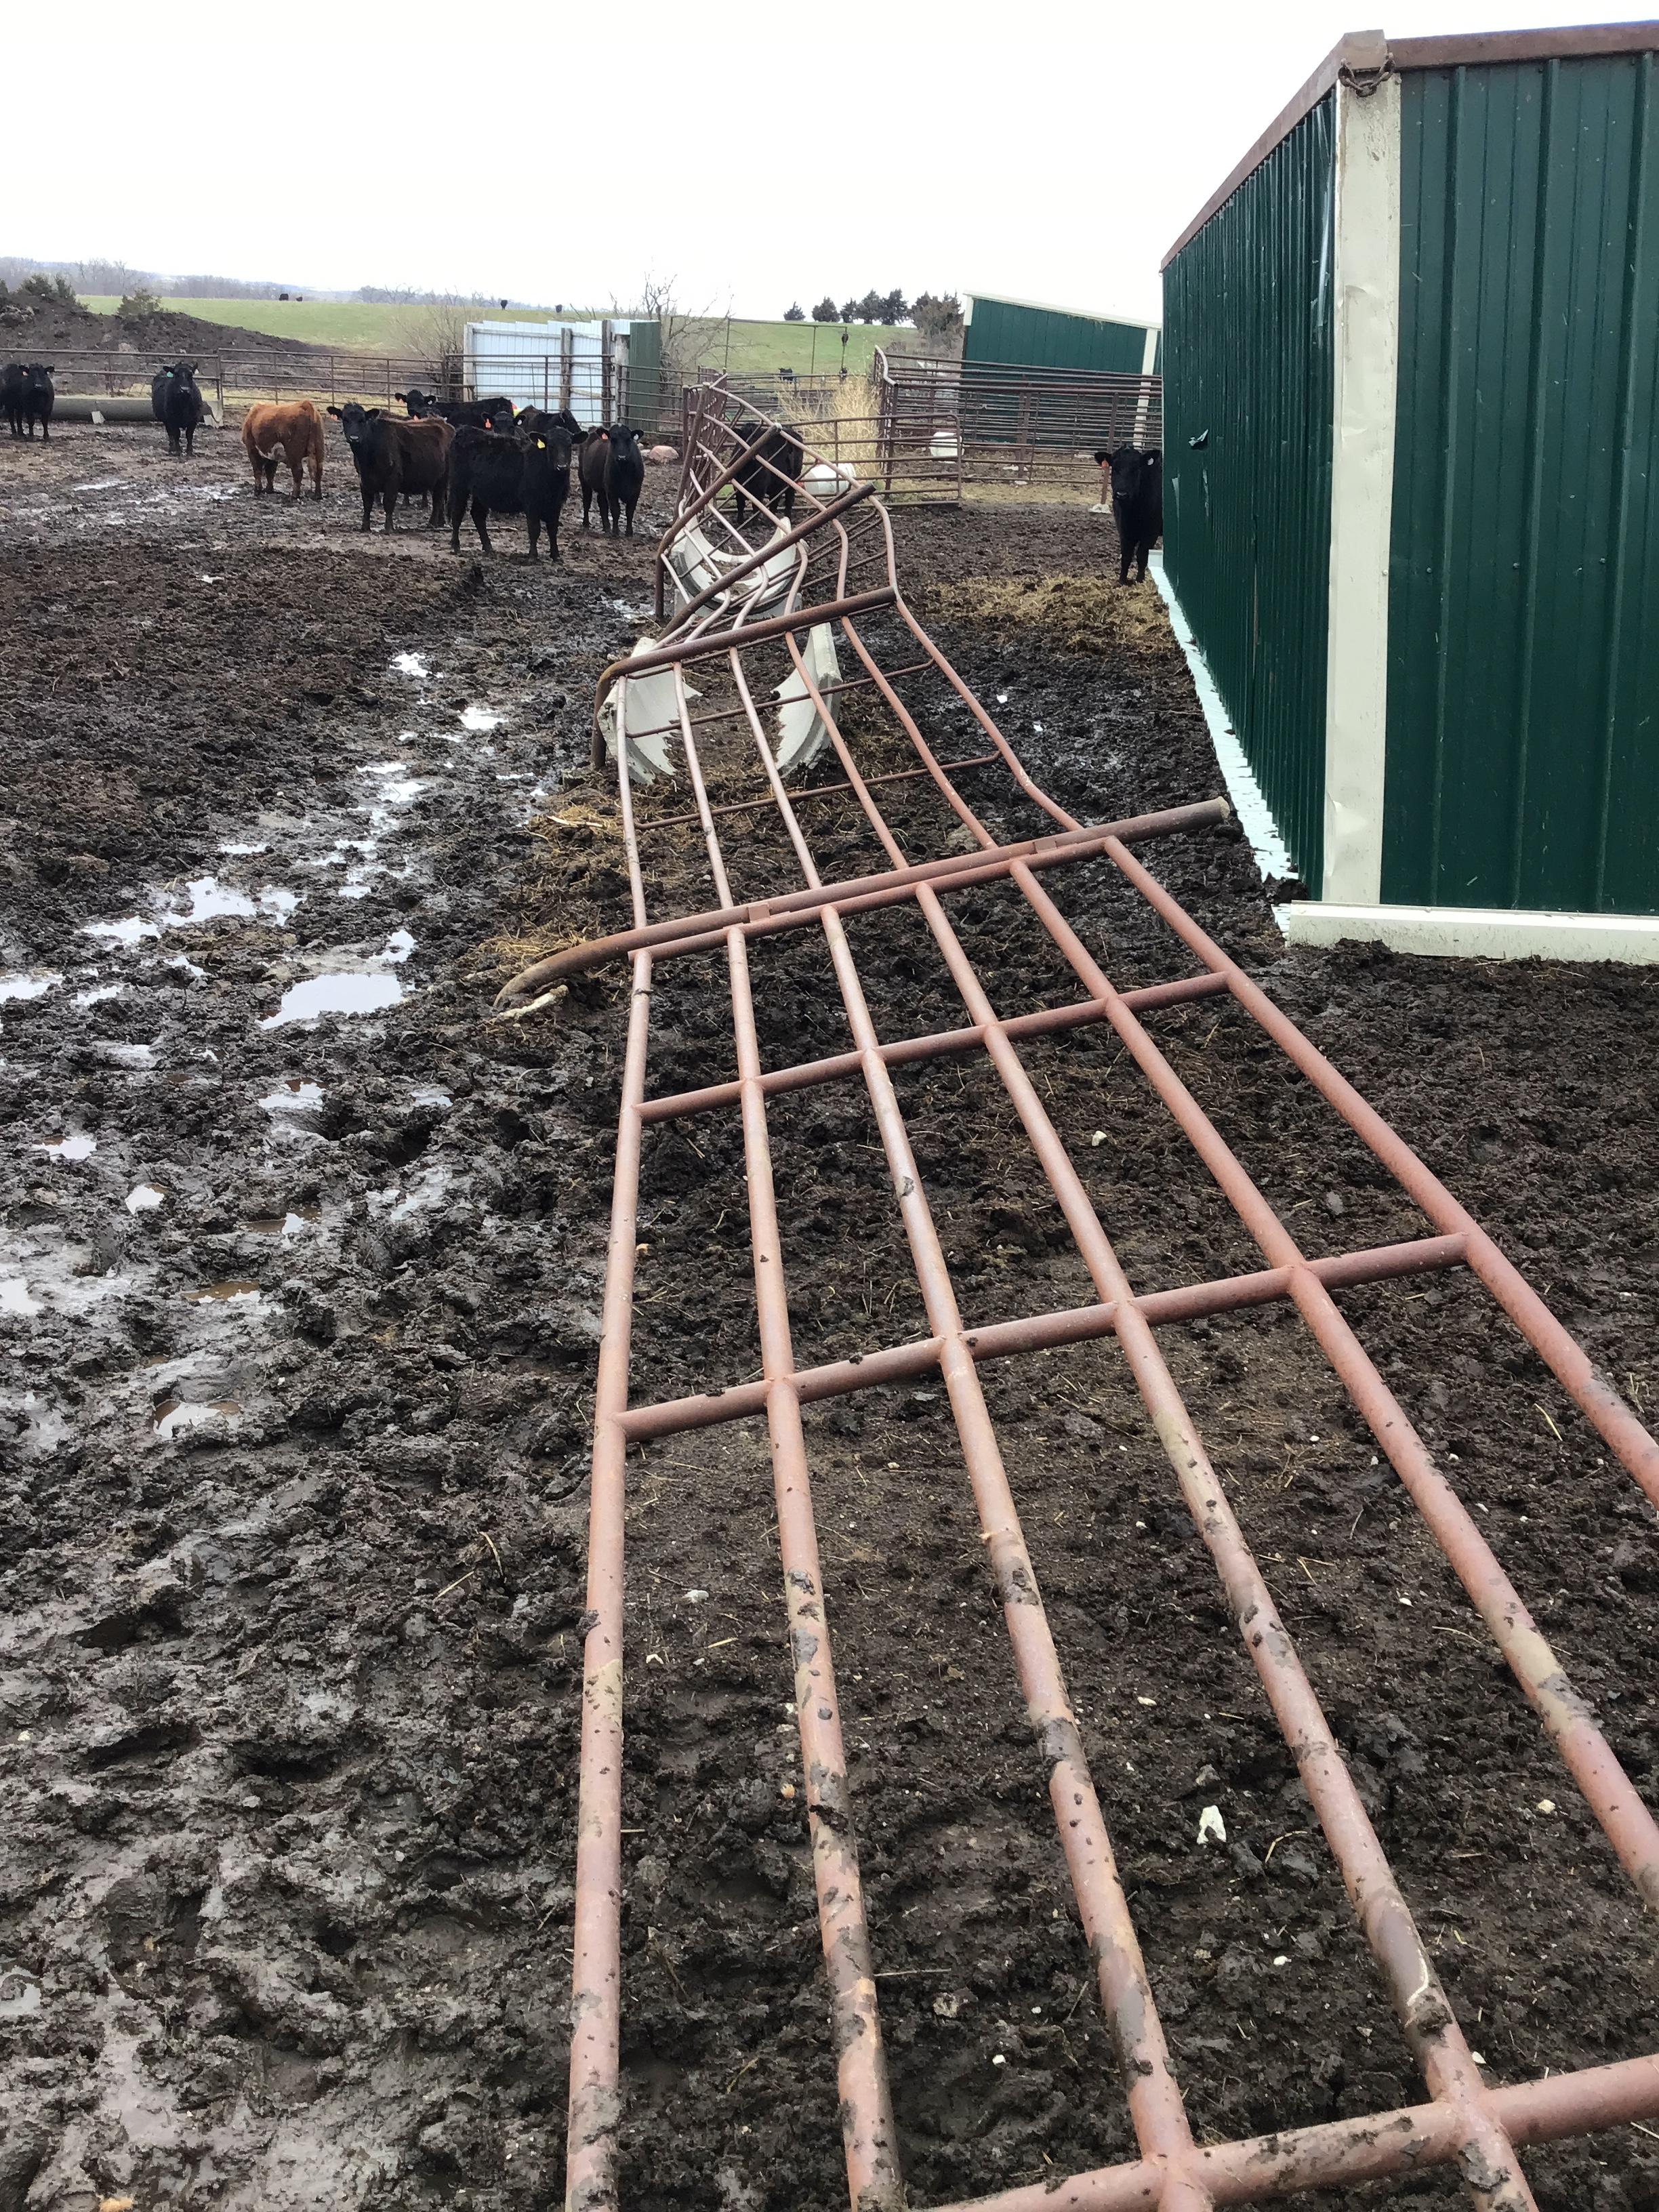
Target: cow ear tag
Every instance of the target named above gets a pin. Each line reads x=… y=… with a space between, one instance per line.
x=541 y=445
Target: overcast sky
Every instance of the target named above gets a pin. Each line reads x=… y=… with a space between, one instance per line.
x=1051 y=149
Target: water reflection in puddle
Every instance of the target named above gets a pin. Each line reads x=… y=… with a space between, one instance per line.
x=223 y=1293
x=129 y=929
x=34 y=986
x=286 y=1225
x=15 y=1299
x=348 y=992
x=144 y=1198
x=98 y=992
x=212 y=901
x=125 y=1055
x=294 y=1097
x=78 y=1146
x=174 y=1415
x=410 y=664
x=481 y=719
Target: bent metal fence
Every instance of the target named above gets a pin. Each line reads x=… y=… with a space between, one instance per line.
x=809 y=597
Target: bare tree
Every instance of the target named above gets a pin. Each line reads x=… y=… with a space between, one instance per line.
x=685 y=339
x=438 y=337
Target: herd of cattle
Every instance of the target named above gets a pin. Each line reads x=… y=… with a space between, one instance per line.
x=487 y=457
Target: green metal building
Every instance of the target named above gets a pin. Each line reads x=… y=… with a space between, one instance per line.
x=1410 y=411
x=1020 y=334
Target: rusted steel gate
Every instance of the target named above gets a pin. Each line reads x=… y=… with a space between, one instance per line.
x=757 y=595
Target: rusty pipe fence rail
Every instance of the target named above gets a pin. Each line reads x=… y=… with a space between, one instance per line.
x=785 y=585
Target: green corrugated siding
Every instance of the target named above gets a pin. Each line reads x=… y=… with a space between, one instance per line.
x=1523 y=661
x=1246 y=518
x=1043 y=337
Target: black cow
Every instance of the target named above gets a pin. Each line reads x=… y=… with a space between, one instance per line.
x=27 y=393
x=176 y=400
x=535 y=420
x=496 y=414
x=769 y=475
x=613 y=467
x=526 y=474
x=392 y=454
x=1137 y=506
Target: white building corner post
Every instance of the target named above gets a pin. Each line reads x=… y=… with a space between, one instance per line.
x=1365 y=303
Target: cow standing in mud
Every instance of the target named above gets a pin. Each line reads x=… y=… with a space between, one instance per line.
x=295 y=431
x=392 y=454
x=1137 y=480
x=527 y=474
x=28 y=392
x=611 y=467
x=770 y=474
x=176 y=400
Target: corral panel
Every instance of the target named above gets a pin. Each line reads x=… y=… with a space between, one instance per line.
x=1247 y=315
x=1523 y=663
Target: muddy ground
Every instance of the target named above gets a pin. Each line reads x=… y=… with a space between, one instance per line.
x=302 y=1311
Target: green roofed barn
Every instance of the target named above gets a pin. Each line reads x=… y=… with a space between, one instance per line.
x=1019 y=334
x=1410 y=411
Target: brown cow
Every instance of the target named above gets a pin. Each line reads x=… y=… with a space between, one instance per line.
x=296 y=429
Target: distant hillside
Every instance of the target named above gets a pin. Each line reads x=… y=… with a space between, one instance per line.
x=34 y=327
x=748 y=348
x=351 y=324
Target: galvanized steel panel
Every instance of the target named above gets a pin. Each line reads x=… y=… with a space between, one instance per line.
x=1523 y=665
x=1248 y=325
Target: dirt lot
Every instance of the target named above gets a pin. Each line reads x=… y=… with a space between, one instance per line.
x=302 y=1309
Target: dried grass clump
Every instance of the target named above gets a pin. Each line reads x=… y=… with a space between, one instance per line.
x=838 y=420
x=589 y=816
x=1083 y=614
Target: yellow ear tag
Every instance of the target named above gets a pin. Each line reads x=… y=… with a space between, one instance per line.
x=541 y=445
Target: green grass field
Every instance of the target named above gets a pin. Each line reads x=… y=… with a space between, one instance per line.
x=326 y=322
x=748 y=347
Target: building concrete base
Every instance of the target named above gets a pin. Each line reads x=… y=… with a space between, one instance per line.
x=1463 y=932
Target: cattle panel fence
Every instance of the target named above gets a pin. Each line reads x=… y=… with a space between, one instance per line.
x=938 y=431
x=595 y=391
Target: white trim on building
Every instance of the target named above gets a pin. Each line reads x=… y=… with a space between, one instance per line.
x=1365 y=293
x=1255 y=816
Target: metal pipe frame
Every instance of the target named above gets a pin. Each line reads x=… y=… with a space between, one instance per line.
x=1465 y=2123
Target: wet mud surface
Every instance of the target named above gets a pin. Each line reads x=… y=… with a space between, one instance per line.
x=302 y=1307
